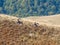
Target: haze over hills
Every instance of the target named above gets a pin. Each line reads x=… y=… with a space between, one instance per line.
x=43 y=30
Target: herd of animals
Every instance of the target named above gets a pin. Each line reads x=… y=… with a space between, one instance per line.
x=20 y=22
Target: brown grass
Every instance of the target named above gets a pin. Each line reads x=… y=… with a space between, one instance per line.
x=12 y=33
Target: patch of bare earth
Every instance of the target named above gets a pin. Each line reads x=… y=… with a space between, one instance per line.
x=27 y=33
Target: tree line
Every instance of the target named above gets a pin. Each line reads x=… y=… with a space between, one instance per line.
x=24 y=8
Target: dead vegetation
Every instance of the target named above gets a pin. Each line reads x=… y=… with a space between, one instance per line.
x=12 y=33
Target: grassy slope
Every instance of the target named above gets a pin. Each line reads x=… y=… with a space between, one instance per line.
x=46 y=19
x=12 y=33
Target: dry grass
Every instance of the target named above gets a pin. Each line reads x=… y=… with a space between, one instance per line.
x=12 y=33
x=54 y=20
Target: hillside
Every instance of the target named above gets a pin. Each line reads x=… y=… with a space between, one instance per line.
x=30 y=30
x=53 y=20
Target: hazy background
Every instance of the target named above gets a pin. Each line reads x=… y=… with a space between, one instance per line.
x=23 y=8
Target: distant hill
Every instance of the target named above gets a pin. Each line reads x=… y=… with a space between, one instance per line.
x=24 y=8
x=31 y=30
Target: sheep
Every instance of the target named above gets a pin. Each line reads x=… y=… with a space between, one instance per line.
x=19 y=22
x=36 y=24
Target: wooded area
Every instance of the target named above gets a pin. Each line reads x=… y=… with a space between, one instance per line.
x=24 y=8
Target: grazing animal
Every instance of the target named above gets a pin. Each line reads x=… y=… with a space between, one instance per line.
x=19 y=22
x=36 y=24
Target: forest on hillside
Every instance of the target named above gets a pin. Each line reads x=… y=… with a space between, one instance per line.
x=24 y=8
